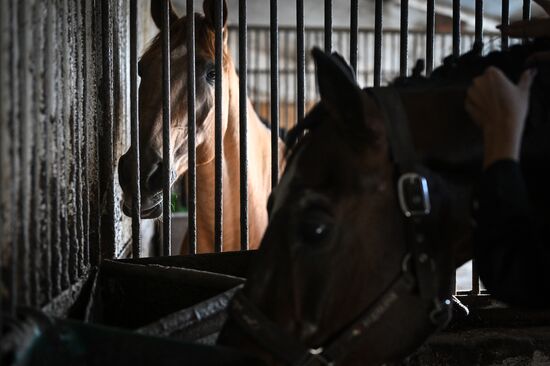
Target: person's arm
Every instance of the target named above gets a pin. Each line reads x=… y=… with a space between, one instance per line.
x=511 y=254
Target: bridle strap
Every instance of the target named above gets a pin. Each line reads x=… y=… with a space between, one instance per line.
x=287 y=348
x=352 y=335
x=407 y=163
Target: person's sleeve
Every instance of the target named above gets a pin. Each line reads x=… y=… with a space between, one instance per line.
x=512 y=256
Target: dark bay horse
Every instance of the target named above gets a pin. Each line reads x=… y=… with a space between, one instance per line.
x=150 y=117
x=348 y=272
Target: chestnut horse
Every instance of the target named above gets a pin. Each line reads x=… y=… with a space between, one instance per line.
x=150 y=117
x=347 y=275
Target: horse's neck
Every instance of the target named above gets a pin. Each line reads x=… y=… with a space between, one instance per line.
x=441 y=128
x=259 y=178
x=450 y=144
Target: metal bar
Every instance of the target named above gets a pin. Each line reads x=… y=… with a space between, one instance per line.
x=526 y=9
x=456 y=28
x=166 y=118
x=105 y=135
x=274 y=93
x=378 y=24
x=328 y=26
x=300 y=60
x=505 y=21
x=218 y=197
x=430 y=36
x=192 y=134
x=134 y=131
x=404 y=38
x=478 y=44
x=526 y=14
x=354 y=34
x=475 y=279
x=243 y=146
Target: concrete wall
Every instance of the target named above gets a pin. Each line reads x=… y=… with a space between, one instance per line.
x=64 y=111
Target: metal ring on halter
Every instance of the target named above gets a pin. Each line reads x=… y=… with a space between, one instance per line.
x=316 y=354
x=441 y=314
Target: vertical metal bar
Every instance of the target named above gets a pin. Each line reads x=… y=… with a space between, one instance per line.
x=526 y=14
x=328 y=26
x=505 y=21
x=404 y=38
x=478 y=44
x=218 y=224
x=378 y=42
x=274 y=31
x=243 y=146
x=354 y=33
x=105 y=135
x=300 y=60
x=192 y=123
x=166 y=118
x=430 y=36
x=526 y=9
x=475 y=278
x=456 y=28
x=134 y=131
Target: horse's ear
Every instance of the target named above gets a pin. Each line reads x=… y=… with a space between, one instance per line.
x=156 y=13
x=209 y=8
x=339 y=91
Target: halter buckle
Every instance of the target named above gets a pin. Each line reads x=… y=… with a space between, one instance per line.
x=414 y=196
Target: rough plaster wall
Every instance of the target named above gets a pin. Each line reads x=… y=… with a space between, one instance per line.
x=64 y=102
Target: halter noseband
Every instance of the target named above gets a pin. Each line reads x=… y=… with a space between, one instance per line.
x=418 y=269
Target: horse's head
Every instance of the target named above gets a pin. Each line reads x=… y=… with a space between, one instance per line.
x=337 y=248
x=150 y=105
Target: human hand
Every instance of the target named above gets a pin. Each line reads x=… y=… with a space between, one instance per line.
x=532 y=28
x=500 y=108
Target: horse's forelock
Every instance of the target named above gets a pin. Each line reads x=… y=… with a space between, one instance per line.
x=178 y=35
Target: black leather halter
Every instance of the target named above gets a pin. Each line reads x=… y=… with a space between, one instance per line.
x=418 y=269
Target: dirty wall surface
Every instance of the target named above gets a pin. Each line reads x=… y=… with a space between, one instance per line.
x=64 y=117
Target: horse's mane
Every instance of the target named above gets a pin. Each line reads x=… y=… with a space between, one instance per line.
x=461 y=70
x=454 y=71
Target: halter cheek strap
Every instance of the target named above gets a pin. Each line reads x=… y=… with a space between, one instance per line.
x=412 y=190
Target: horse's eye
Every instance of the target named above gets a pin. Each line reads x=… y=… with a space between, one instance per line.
x=211 y=75
x=315 y=227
